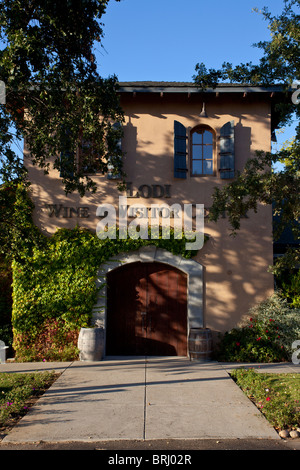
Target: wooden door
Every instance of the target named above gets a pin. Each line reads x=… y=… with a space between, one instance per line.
x=146 y=310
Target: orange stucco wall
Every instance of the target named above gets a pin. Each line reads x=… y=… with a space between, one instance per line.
x=235 y=269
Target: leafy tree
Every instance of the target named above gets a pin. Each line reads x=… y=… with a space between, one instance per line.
x=258 y=183
x=55 y=98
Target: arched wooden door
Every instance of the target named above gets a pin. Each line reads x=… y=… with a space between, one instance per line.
x=146 y=310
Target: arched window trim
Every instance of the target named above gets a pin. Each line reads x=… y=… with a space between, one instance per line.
x=214 y=159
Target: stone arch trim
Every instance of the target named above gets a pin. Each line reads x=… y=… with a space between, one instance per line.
x=192 y=268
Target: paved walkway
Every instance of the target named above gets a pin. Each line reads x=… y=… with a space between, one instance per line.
x=141 y=399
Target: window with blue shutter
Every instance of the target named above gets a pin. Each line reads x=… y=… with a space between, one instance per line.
x=202 y=151
x=227 y=151
x=180 y=153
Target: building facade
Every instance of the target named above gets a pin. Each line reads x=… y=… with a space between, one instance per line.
x=179 y=145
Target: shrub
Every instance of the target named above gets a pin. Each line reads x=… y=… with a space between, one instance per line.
x=266 y=336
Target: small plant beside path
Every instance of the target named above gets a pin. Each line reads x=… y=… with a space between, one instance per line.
x=277 y=396
x=18 y=391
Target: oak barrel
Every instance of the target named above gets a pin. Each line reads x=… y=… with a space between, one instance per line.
x=91 y=344
x=200 y=344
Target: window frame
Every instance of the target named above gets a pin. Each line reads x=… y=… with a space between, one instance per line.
x=194 y=130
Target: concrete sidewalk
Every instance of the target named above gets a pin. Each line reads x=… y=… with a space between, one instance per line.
x=141 y=399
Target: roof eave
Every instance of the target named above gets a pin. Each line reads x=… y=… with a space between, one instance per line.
x=160 y=87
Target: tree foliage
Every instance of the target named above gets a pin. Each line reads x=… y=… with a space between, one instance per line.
x=258 y=183
x=55 y=98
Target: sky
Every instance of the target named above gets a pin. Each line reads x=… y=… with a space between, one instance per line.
x=163 y=40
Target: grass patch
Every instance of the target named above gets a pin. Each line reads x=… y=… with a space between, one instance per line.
x=277 y=396
x=19 y=391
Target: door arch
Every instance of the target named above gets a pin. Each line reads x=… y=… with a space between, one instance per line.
x=150 y=253
x=146 y=310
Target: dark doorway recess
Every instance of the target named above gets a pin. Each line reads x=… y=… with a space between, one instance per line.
x=146 y=310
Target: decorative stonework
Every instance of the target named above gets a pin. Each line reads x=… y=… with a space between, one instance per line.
x=192 y=268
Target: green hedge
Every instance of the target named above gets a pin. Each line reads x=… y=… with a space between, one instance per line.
x=54 y=290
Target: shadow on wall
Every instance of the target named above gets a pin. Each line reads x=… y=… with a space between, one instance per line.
x=236 y=274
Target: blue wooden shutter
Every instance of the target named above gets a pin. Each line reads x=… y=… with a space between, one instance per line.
x=180 y=168
x=227 y=151
x=110 y=167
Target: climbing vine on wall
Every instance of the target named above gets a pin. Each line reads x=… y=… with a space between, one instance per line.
x=54 y=288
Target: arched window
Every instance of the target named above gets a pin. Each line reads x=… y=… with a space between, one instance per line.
x=202 y=151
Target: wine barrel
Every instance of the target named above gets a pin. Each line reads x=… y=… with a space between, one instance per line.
x=91 y=344
x=200 y=344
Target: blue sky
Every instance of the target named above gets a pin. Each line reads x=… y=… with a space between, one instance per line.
x=163 y=40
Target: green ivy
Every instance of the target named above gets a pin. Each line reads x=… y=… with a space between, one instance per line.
x=54 y=284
